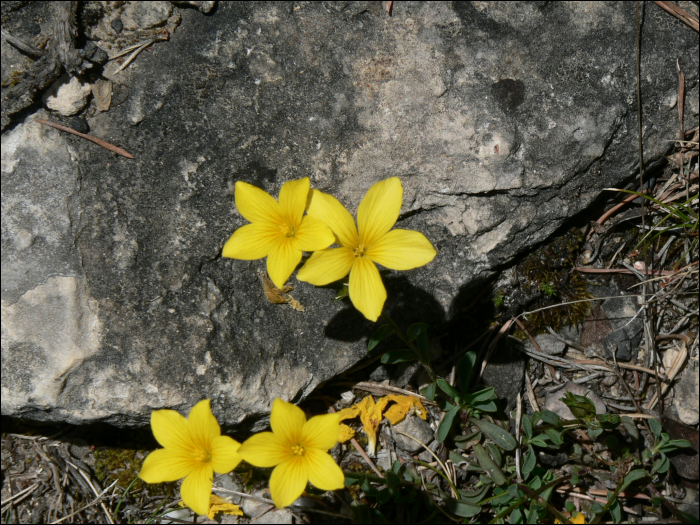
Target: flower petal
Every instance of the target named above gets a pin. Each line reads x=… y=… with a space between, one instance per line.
x=287 y=421
x=313 y=235
x=265 y=449
x=379 y=210
x=172 y=431
x=293 y=200
x=253 y=241
x=366 y=289
x=255 y=205
x=321 y=432
x=196 y=489
x=165 y=465
x=328 y=209
x=288 y=481
x=224 y=454
x=282 y=260
x=202 y=424
x=326 y=266
x=402 y=250
x=324 y=473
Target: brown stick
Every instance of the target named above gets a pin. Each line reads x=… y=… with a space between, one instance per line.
x=97 y=141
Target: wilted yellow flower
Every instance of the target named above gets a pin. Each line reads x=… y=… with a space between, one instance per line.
x=362 y=246
x=218 y=504
x=278 y=230
x=193 y=449
x=371 y=415
x=578 y=517
x=297 y=449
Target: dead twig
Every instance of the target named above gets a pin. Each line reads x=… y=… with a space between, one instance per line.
x=97 y=141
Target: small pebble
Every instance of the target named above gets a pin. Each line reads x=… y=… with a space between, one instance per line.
x=117 y=25
x=78 y=124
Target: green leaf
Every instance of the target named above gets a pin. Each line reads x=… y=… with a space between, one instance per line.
x=527 y=426
x=570 y=506
x=461 y=508
x=353 y=479
x=422 y=344
x=489 y=465
x=501 y=437
x=661 y=465
x=464 y=369
x=581 y=407
x=551 y=418
x=383 y=332
x=495 y=453
x=540 y=440
x=530 y=461
x=554 y=436
x=429 y=391
x=596 y=508
x=391 y=479
x=446 y=424
x=398 y=356
x=456 y=458
x=342 y=293
x=486 y=406
x=415 y=329
x=447 y=388
x=630 y=427
x=655 y=426
x=516 y=516
x=632 y=477
x=673 y=445
x=482 y=395
x=616 y=511
x=474 y=496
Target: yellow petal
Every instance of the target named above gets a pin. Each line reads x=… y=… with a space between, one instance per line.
x=326 y=266
x=172 y=431
x=398 y=411
x=350 y=412
x=578 y=518
x=293 y=197
x=379 y=210
x=224 y=454
x=367 y=291
x=328 y=209
x=252 y=241
x=288 y=481
x=218 y=504
x=371 y=416
x=165 y=465
x=346 y=433
x=202 y=424
x=196 y=489
x=257 y=206
x=324 y=473
x=287 y=422
x=281 y=261
x=402 y=250
x=265 y=449
x=321 y=432
x=313 y=235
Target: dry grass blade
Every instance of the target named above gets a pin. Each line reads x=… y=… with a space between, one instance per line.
x=97 y=141
x=94 y=502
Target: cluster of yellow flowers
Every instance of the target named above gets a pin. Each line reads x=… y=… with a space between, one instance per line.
x=280 y=231
x=194 y=449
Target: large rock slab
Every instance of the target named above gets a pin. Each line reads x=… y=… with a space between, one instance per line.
x=502 y=120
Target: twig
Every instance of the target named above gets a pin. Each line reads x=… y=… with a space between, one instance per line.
x=97 y=141
x=97 y=500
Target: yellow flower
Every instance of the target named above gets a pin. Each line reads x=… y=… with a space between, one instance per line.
x=371 y=416
x=194 y=450
x=395 y=249
x=278 y=230
x=297 y=449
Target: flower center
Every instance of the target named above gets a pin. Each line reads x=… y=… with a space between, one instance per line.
x=289 y=231
x=203 y=456
x=360 y=251
x=298 y=450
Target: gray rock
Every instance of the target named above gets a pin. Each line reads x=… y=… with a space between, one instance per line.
x=115 y=298
x=548 y=344
x=68 y=96
x=416 y=427
x=686 y=391
x=144 y=15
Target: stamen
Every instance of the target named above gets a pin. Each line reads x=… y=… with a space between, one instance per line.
x=360 y=251
x=298 y=450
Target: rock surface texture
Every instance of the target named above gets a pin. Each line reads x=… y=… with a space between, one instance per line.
x=503 y=120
